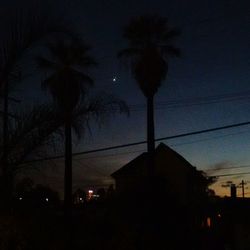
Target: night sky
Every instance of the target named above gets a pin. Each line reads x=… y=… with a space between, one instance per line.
x=209 y=86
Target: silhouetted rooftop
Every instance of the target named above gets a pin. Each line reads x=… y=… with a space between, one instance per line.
x=139 y=163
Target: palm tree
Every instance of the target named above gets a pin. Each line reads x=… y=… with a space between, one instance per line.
x=149 y=48
x=68 y=83
x=25 y=29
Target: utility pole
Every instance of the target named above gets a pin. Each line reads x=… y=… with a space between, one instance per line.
x=242 y=185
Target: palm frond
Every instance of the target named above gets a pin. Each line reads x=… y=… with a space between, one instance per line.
x=45 y=64
x=170 y=50
x=83 y=79
x=50 y=84
x=68 y=81
x=34 y=129
x=149 y=48
x=128 y=56
x=149 y=29
x=98 y=109
x=73 y=52
x=86 y=62
x=128 y=52
x=26 y=28
x=171 y=34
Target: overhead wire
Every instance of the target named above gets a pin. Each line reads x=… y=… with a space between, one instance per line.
x=188 y=102
x=232 y=174
x=143 y=142
x=173 y=145
x=227 y=168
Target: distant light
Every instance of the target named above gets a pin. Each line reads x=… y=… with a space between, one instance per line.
x=219 y=215
x=80 y=198
x=90 y=194
x=114 y=79
x=20 y=198
x=47 y=199
x=208 y=222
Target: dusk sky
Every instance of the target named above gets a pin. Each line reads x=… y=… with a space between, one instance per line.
x=209 y=87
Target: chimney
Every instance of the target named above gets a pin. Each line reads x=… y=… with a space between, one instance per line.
x=233 y=191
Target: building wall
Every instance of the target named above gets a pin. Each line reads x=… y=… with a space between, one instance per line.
x=169 y=167
x=174 y=172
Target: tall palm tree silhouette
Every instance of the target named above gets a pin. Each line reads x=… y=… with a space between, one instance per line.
x=149 y=48
x=25 y=28
x=68 y=83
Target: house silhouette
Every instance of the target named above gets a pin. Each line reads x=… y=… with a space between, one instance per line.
x=183 y=180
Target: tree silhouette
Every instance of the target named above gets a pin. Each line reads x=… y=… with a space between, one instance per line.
x=29 y=135
x=24 y=29
x=68 y=83
x=149 y=48
x=33 y=130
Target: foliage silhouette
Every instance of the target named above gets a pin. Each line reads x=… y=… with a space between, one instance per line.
x=149 y=48
x=28 y=136
x=69 y=82
x=23 y=29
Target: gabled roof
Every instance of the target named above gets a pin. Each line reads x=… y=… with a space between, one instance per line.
x=139 y=163
x=163 y=147
x=133 y=166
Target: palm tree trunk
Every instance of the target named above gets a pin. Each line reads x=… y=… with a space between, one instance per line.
x=68 y=169
x=150 y=134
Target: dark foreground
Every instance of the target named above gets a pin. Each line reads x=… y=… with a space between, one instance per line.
x=121 y=224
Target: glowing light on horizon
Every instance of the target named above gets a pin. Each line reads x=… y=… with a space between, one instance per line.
x=208 y=222
x=90 y=194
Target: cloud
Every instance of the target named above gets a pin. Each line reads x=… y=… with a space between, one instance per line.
x=215 y=168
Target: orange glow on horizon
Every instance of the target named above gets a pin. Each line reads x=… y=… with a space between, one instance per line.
x=208 y=222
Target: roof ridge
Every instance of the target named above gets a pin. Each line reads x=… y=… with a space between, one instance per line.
x=140 y=159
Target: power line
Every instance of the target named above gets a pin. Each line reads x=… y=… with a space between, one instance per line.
x=225 y=175
x=174 y=145
x=226 y=168
x=143 y=142
x=110 y=155
x=209 y=139
x=240 y=96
